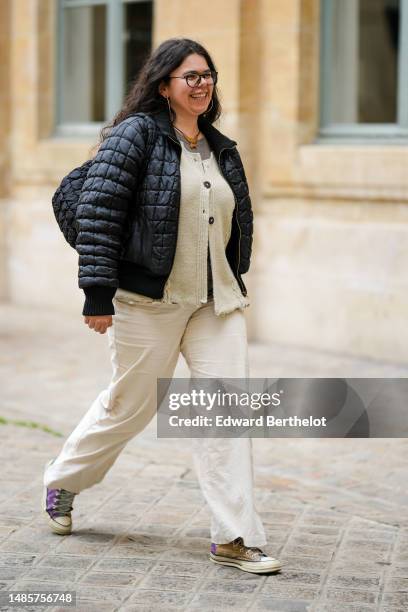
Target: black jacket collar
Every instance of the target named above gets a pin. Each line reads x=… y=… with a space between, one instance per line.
x=216 y=139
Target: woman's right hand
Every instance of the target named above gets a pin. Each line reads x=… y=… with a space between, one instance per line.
x=99 y=323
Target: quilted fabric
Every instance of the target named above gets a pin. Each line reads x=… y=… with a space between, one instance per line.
x=129 y=204
x=65 y=199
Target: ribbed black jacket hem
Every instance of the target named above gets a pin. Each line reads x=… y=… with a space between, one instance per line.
x=98 y=300
x=131 y=278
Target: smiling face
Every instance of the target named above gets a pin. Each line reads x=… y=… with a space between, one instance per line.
x=181 y=95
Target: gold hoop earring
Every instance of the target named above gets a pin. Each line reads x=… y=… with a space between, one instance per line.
x=208 y=109
x=168 y=104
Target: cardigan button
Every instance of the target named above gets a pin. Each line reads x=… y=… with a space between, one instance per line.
x=207 y=184
x=211 y=220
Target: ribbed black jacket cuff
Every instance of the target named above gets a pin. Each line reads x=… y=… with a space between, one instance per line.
x=98 y=301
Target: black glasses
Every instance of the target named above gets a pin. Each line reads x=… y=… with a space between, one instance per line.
x=193 y=78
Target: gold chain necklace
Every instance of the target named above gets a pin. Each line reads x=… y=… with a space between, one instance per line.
x=192 y=141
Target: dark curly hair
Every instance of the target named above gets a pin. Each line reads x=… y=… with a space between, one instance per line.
x=144 y=96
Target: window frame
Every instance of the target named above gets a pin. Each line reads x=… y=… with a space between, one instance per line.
x=114 y=81
x=363 y=133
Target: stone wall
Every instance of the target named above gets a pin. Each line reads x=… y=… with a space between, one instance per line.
x=5 y=129
x=330 y=220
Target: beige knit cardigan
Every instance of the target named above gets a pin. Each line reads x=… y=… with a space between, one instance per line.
x=206 y=208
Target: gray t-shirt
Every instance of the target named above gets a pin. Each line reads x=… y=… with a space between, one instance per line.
x=204 y=149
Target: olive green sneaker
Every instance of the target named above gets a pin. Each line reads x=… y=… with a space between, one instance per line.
x=247 y=558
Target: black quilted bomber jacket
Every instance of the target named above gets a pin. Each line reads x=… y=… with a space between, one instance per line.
x=127 y=216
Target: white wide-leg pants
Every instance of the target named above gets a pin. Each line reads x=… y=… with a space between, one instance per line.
x=145 y=342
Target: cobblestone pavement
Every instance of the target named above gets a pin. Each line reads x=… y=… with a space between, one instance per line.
x=335 y=510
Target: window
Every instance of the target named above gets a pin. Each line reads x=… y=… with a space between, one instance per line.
x=101 y=47
x=364 y=87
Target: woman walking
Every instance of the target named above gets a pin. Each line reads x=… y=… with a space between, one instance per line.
x=164 y=233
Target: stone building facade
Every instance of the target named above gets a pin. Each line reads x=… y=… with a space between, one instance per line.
x=331 y=216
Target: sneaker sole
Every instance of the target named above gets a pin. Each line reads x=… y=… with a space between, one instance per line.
x=246 y=566
x=55 y=527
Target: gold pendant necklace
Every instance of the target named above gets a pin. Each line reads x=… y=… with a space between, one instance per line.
x=192 y=141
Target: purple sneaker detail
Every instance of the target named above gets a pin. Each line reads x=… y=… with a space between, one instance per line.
x=213 y=548
x=59 y=502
